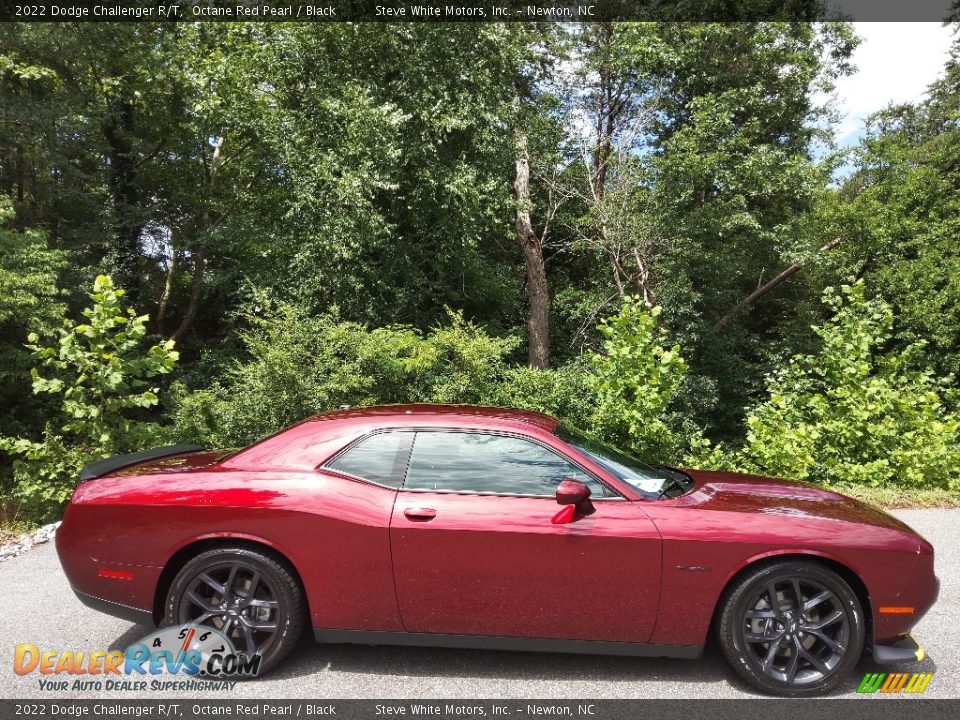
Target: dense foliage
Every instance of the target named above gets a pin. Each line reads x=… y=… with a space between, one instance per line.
x=100 y=375
x=630 y=226
x=296 y=365
x=853 y=413
x=634 y=380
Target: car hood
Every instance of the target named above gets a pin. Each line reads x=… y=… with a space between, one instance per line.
x=735 y=492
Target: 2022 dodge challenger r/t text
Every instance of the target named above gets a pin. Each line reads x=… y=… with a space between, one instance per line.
x=481 y=527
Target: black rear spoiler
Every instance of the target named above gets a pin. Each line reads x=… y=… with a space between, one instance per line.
x=102 y=467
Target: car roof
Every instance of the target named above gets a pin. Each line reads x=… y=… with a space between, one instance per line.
x=407 y=414
x=307 y=444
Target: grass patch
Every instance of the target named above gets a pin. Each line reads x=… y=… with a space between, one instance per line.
x=13 y=523
x=892 y=498
x=11 y=532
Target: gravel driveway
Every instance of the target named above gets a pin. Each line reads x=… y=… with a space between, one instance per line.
x=35 y=593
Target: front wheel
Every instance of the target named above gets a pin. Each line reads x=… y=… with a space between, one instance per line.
x=793 y=629
x=249 y=596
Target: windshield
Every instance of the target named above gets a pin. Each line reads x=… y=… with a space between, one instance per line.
x=649 y=480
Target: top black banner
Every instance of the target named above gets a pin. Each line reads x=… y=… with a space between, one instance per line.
x=476 y=10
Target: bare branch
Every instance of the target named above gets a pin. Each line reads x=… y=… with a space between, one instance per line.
x=770 y=285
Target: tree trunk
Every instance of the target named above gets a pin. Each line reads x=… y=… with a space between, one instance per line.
x=127 y=223
x=607 y=117
x=167 y=287
x=206 y=226
x=195 y=293
x=538 y=294
x=643 y=280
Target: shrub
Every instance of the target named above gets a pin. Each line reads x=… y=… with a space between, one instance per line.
x=29 y=300
x=853 y=413
x=634 y=380
x=299 y=365
x=100 y=376
x=563 y=392
x=463 y=364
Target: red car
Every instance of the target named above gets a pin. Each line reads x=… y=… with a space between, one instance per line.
x=478 y=527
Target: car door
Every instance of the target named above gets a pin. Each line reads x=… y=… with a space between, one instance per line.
x=475 y=551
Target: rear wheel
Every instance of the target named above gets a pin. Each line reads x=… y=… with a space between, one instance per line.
x=792 y=628
x=249 y=596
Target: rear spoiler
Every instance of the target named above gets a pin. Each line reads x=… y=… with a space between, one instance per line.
x=102 y=467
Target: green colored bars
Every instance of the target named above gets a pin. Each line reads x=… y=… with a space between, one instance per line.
x=894 y=682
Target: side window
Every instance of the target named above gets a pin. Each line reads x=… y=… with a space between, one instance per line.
x=477 y=462
x=375 y=459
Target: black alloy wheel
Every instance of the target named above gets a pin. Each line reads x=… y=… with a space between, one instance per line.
x=250 y=597
x=792 y=628
x=234 y=598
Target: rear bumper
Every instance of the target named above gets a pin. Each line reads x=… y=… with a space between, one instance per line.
x=902 y=651
x=125 y=612
x=109 y=583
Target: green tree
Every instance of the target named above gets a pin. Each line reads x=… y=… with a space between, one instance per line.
x=393 y=164
x=855 y=413
x=367 y=176
x=900 y=211
x=297 y=364
x=635 y=379
x=101 y=377
x=734 y=190
x=86 y=112
x=29 y=299
x=691 y=180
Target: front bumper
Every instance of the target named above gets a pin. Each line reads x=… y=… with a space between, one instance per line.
x=903 y=650
x=919 y=591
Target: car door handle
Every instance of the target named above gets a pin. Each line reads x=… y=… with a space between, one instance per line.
x=420 y=514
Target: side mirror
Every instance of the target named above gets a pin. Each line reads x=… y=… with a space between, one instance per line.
x=575 y=497
x=571 y=492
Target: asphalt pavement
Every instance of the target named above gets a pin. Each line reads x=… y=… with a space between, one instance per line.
x=39 y=608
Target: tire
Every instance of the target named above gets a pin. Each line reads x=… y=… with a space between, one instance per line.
x=780 y=651
x=269 y=622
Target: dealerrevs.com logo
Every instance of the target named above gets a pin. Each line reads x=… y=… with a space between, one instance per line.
x=203 y=657
x=892 y=683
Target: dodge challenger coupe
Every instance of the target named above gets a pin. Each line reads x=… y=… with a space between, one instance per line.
x=478 y=527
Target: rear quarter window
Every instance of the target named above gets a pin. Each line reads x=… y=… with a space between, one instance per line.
x=377 y=458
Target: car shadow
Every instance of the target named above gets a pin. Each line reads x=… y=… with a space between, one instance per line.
x=131 y=635
x=309 y=658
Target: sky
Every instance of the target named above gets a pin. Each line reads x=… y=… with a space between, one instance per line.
x=895 y=63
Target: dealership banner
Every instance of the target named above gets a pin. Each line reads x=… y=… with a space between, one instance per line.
x=471 y=11
x=759 y=709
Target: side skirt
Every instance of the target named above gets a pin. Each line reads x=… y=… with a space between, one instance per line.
x=492 y=642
